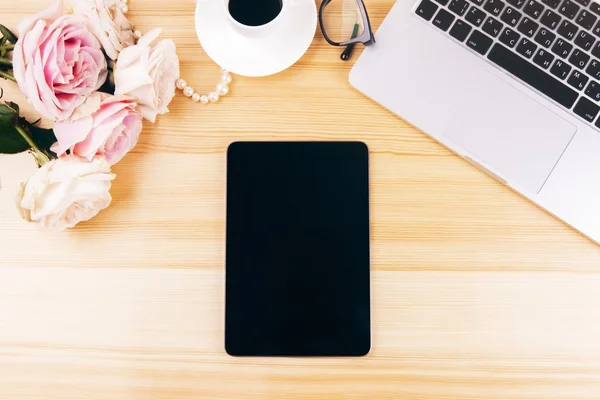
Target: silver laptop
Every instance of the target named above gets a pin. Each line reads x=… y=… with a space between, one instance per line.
x=513 y=86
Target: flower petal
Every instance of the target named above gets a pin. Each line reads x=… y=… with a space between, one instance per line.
x=69 y=133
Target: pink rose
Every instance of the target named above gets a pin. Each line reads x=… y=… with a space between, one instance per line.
x=109 y=24
x=104 y=125
x=57 y=62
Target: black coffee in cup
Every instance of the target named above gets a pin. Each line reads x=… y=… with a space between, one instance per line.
x=254 y=12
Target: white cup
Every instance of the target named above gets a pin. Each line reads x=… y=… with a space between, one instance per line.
x=258 y=30
x=255 y=50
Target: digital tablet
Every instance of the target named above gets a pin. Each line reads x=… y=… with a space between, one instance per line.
x=297 y=249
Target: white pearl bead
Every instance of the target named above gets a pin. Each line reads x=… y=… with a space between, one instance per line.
x=124 y=1
x=226 y=79
x=224 y=71
x=137 y=34
x=181 y=84
x=188 y=91
x=222 y=89
x=213 y=96
x=124 y=9
x=196 y=97
x=204 y=99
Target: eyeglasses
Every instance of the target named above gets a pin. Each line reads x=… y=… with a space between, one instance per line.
x=345 y=23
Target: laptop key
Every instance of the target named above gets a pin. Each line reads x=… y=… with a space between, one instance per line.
x=511 y=16
x=543 y=58
x=577 y=79
x=442 y=2
x=595 y=8
x=533 y=9
x=458 y=7
x=551 y=3
x=494 y=7
x=586 y=109
x=475 y=16
x=596 y=30
x=568 y=9
x=509 y=37
x=594 y=69
x=593 y=90
x=550 y=19
x=596 y=50
x=532 y=75
x=479 y=42
x=586 y=19
x=584 y=40
x=561 y=69
x=527 y=27
x=526 y=48
x=426 y=9
x=584 y=3
x=567 y=29
x=460 y=30
x=579 y=59
x=443 y=20
x=492 y=27
x=545 y=37
x=478 y=2
x=516 y=3
x=562 y=48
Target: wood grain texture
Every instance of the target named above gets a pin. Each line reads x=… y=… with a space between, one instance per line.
x=477 y=294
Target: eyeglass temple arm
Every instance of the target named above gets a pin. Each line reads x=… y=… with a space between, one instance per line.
x=348 y=50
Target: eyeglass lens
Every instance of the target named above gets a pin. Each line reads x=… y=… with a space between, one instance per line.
x=342 y=20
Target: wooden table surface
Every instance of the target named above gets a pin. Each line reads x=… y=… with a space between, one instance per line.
x=477 y=293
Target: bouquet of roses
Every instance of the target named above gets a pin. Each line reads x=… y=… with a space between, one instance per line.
x=96 y=78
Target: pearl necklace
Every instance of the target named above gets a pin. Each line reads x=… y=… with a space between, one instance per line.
x=221 y=89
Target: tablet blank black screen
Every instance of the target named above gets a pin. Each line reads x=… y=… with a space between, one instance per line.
x=297 y=258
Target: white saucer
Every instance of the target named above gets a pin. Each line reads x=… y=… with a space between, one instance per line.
x=256 y=50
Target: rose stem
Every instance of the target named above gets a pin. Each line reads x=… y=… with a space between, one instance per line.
x=42 y=158
x=7 y=75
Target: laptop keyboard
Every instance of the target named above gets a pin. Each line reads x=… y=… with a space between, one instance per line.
x=552 y=45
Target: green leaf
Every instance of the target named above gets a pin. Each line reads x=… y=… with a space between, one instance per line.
x=8 y=34
x=44 y=138
x=11 y=142
x=14 y=106
x=8 y=114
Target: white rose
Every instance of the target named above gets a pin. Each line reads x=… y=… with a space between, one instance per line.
x=109 y=24
x=148 y=74
x=65 y=191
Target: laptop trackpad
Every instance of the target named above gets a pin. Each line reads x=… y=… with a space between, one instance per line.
x=521 y=139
